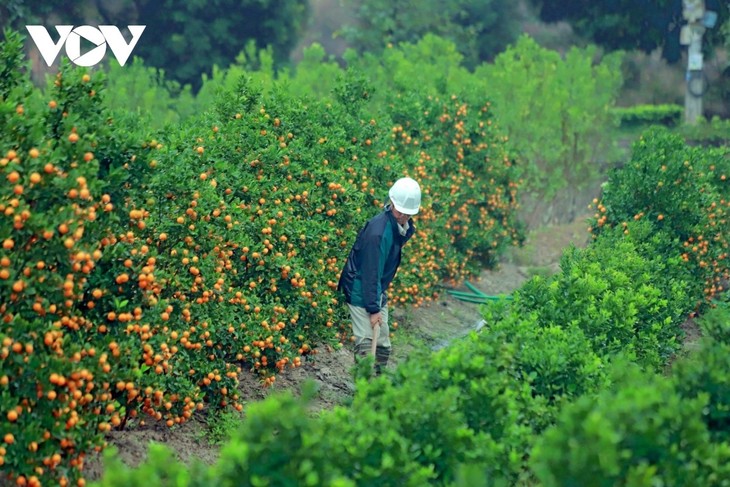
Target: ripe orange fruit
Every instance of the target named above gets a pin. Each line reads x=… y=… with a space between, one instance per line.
x=12 y=416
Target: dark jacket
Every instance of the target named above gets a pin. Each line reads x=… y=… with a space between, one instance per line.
x=373 y=261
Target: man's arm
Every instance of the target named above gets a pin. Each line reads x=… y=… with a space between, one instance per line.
x=371 y=271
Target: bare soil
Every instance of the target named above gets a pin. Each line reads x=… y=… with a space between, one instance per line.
x=434 y=326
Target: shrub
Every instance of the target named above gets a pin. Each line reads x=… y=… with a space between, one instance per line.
x=278 y=444
x=679 y=189
x=611 y=293
x=705 y=372
x=644 y=115
x=431 y=424
x=159 y=469
x=640 y=432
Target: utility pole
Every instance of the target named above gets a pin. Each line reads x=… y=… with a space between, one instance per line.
x=691 y=34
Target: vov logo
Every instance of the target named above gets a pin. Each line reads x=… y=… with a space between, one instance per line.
x=71 y=37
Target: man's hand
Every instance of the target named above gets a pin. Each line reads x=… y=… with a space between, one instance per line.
x=375 y=319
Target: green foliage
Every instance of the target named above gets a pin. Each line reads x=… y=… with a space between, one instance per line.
x=715 y=132
x=678 y=189
x=611 y=293
x=193 y=36
x=146 y=93
x=715 y=324
x=639 y=433
x=435 y=61
x=706 y=372
x=509 y=382
x=256 y=65
x=12 y=62
x=315 y=75
x=556 y=361
x=160 y=469
x=16 y=14
x=479 y=28
x=555 y=110
x=278 y=444
x=431 y=425
x=629 y=25
x=644 y=115
x=221 y=424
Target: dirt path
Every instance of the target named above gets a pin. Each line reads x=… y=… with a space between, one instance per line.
x=434 y=326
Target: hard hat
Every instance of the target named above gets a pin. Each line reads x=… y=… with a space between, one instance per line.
x=406 y=196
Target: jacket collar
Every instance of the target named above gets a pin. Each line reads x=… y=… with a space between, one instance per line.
x=394 y=224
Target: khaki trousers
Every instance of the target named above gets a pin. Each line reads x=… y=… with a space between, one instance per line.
x=363 y=331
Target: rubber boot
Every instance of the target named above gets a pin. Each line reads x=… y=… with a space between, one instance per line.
x=363 y=349
x=382 y=354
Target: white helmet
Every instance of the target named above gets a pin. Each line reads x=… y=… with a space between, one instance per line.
x=406 y=196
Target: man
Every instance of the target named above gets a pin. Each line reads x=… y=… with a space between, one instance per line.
x=371 y=267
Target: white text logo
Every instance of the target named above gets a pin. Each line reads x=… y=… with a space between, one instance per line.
x=71 y=38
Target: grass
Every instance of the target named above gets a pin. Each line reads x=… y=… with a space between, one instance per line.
x=220 y=426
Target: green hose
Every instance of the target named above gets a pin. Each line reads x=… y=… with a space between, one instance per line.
x=476 y=296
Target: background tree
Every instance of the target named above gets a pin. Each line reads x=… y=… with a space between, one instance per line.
x=630 y=24
x=185 y=38
x=190 y=36
x=480 y=28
